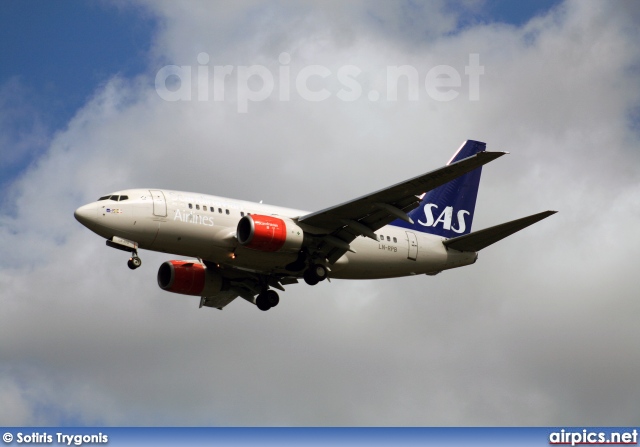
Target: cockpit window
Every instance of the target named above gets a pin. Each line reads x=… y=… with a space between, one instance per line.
x=114 y=197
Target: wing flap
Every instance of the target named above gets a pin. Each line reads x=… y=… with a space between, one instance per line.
x=218 y=301
x=478 y=240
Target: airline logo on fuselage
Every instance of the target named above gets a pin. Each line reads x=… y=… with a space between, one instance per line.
x=190 y=217
x=445 y=218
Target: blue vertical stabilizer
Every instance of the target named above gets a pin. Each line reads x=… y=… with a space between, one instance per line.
x=448 y=210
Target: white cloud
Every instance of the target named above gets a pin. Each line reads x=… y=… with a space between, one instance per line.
x=539 y=331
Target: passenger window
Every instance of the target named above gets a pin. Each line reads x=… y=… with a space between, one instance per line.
x=211 y=209
x=190 y=206
x=220 y=210
x=197 y=207
x=242 y=213
x=395 y=240
x=388 y=239
x=227 y=212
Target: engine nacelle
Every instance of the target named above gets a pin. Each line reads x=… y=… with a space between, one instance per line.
x=189 y=278
x=269 y=233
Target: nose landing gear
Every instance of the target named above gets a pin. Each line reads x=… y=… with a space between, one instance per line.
x=126 y=245
x=134 y=261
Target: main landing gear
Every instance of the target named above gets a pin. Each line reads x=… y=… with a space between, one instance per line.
x=267 y=299
x=314 y=274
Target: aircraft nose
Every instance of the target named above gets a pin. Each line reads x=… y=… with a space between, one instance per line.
x=86 y=214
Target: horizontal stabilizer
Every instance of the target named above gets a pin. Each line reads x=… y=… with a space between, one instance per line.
x=478 y=240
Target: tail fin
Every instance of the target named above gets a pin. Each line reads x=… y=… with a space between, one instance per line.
x=448 y=210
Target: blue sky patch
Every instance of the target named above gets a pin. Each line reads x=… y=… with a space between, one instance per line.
x=53 y=55
x=60 y=51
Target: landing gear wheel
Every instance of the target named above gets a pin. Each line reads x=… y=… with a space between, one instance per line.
x=272 y=298
x=314 y=274
x=134 y=262
x=262 y=302
x=320 y=271
x=310 y=278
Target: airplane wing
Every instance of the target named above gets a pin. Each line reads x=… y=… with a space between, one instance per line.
x=478 y=240
x=337 y=226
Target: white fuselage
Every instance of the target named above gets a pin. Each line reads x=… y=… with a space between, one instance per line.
x=204 y=226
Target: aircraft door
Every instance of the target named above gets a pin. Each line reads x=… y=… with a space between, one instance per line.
x=159 y=203
x=413 y=246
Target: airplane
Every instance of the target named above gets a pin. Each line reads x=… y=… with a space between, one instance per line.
x=245 y=249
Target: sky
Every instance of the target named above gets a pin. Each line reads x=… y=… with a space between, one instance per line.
x=542 y=330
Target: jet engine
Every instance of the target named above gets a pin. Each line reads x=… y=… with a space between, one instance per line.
x=189 y=278
x=269 y=233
